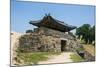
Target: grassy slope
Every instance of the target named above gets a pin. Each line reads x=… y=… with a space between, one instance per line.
x=90 y=49
x=35 y=57
x=76 y=58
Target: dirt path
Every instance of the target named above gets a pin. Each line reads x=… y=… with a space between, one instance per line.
x=62 y=58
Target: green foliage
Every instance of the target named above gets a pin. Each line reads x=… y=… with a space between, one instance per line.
x=87 y=32
x=80 y=49
x=76 y=58
x=92 y=33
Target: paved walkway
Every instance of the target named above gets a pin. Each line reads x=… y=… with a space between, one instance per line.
x=62 y=58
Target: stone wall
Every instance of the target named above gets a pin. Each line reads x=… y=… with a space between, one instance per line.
x=32 y=42
x=28 y=42
x=51 y=32
x=45 y=39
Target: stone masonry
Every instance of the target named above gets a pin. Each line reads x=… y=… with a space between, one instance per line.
x=46 y=39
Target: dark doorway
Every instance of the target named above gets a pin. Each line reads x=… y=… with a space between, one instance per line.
x=63 y=44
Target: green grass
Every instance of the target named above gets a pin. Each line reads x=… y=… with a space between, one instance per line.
x=76 y=58
x=80 y=49
x=35 y=57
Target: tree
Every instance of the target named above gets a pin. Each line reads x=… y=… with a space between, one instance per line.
x=78 y=32
x=29 y=31
x=92 y=34
x=87 y=32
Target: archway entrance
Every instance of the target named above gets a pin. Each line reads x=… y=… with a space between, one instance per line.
x=63 y=44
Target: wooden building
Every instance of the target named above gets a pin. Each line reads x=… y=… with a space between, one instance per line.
x=49 y=36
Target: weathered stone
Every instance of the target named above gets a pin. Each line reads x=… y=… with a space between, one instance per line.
x=45 y=39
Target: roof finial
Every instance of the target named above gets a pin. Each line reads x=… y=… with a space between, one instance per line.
x=48 y=14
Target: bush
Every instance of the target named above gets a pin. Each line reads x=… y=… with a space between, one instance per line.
x=29 y=31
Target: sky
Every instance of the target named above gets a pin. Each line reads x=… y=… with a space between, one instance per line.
x=23 y=12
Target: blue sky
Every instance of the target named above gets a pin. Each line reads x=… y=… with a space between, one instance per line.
x=23 y=12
